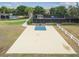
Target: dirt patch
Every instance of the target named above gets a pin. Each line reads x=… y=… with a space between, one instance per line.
x=8 y=35
x=68 y=40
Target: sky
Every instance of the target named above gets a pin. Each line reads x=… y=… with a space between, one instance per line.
x=33 y=4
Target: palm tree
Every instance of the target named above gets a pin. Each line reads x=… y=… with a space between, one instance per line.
x=29 y=10
x=77 y=9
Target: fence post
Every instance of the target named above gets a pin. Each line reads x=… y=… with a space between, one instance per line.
x=68 y=34
x=78 y=42
x=71 y=36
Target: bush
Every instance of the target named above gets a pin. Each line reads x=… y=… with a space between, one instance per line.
x=29 y=22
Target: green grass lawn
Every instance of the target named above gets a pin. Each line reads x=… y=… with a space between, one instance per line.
x=12 y=22
x=10 y=30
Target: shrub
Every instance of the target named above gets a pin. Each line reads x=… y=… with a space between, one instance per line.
x=29 y=22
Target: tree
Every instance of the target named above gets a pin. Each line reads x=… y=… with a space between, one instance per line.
x=38 y=10
x=72 y=11
x=20 y=10
x=3 y=9
x=0 y=10
x=77 y=9
x=52 y=11
x=29 y=10
x=59 y=11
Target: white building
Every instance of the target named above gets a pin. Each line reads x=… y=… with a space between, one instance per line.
x=39 y=16
x=7 y=16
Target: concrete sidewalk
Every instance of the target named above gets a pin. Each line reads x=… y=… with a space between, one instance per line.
x=44 y=42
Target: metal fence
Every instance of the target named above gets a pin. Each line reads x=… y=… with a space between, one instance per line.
x=68 y=34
